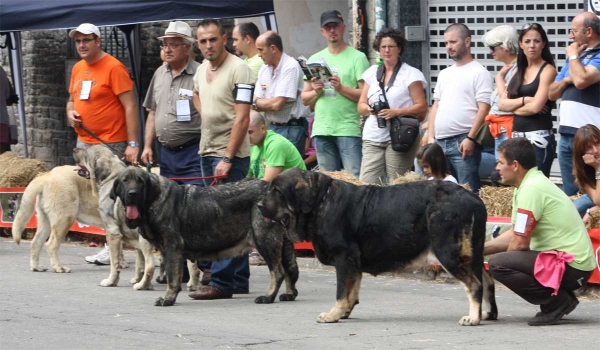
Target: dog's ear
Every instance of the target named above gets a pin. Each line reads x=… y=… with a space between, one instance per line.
x=152 y=186
x=116 y=188
x=309 y=189
x=102 y=168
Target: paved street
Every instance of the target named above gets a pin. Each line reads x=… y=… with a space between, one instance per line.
x=70 y=311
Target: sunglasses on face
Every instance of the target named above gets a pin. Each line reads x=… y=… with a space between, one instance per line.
x=493 y=47
x=528 y=26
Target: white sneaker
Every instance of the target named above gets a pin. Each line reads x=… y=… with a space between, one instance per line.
x=102 y=258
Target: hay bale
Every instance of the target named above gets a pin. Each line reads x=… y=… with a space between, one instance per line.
x=409 y=176
x=16 y=171
x=497 y=200
x=344 y=176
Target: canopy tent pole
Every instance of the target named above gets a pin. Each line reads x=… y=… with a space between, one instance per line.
x=132 y=35
x=270 y=22
x=16 y=67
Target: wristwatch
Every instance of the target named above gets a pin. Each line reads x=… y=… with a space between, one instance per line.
x=254 y=105
x=573 y=57
x=133 y=144
x=226 y=159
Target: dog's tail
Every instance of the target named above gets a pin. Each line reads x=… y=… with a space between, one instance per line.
x=26 y=207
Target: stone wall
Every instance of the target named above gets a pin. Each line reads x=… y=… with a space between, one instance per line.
x=45 y=91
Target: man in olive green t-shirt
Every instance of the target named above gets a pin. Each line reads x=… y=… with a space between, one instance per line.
x=547 y=237
x=244 y=37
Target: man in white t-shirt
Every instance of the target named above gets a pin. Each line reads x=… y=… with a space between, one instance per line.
x=461 y=102
x=277 y=93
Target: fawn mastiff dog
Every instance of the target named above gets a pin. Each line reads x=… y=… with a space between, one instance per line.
x=205 y=223
x=375 y=229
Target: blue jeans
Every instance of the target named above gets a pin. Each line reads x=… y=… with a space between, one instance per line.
x=583 y=203
x=565 y=160
x=295 y=134
x=488 y=163
x=545 y=156
x=335 y=152
x=497 y=141
x=467 y=170
x=233 y=273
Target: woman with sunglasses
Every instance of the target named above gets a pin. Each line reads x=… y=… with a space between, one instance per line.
x=527 y=94
x=390 y=90
x=503 y=42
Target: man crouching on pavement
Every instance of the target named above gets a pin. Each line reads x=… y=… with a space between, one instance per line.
x=547 y=254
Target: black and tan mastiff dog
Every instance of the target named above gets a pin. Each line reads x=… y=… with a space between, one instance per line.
x=375 y=229
x=205 y=223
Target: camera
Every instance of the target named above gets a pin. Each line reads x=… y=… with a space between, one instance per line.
x=377 y=107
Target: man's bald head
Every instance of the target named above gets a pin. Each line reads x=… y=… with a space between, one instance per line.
x=256 y=119
x=588 y=20
x=257 y=130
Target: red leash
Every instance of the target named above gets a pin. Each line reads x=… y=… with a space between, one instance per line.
x=215 y=177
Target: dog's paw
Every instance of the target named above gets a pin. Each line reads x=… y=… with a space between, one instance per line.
x=325 y=317
x=160 y=301
x=133 y=281
x=123 y=264
x=143 y=286
x=263 y=300
x=161 y=279
x=488 y=315
x=288 y=297
x=191 y=287
x=109 y=283
x=468 y=321
x=39 y=268
x=61 y=269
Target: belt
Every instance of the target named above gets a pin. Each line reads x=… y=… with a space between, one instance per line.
x=188 y=144
x=291 y=122
x=542 y=133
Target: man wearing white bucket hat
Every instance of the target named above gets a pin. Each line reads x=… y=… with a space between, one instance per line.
x=101 y=97
x=172 y=117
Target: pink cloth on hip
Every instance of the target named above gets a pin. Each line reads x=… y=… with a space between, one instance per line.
x=550 y=267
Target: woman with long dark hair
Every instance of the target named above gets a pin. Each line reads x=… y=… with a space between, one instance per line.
x=586 y=167
x=527 y=94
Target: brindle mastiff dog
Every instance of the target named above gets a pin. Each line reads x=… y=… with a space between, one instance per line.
x=205 y=223
x=102 y=167
x=376 y=229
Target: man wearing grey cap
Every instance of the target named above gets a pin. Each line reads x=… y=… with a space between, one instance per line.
x=336 y=126
x=101 y=97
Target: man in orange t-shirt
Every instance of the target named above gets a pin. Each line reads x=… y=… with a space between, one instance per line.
x=101 y=97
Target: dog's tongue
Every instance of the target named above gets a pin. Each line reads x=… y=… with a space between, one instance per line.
x=132 y=213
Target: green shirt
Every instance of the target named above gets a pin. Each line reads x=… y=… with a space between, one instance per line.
x=336 y=115
x=557 y=226
x=275 y=151
x=254 y=63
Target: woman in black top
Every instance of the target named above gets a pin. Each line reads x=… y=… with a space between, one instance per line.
x=527 y=94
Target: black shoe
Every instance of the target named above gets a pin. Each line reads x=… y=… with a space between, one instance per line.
x=552 y=317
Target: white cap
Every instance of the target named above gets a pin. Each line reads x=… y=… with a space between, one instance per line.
x=178 y=29
x=85 y=28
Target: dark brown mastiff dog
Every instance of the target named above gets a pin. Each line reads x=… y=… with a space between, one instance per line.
x=205 y=223
x=375 y=229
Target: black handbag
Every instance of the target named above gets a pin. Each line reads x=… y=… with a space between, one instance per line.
x=404 y=132
x=404 y=129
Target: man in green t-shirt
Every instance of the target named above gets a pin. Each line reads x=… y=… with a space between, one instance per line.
x=244 y=37
x=271 y=153
x=336 y=128
x=547 y=238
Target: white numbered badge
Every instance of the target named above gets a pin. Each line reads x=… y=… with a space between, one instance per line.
x=86 y=87
x=183 y=111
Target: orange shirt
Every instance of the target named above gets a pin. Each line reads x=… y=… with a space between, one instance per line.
x=102 y=112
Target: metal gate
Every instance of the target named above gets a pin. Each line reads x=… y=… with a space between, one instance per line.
x=482 y=15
